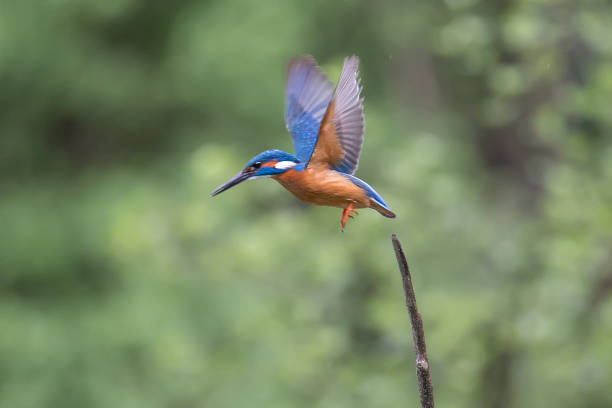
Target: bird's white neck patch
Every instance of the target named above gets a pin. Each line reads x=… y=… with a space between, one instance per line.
x=284 y=165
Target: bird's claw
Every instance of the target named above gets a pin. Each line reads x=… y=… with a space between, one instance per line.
x=346 y=214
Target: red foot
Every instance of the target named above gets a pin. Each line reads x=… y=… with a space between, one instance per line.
x=346 y=214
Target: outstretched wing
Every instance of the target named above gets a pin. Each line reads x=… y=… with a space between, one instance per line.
x=307 y=95
x=341 y=132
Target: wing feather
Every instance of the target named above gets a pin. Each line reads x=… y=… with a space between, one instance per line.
x=307 y=96
x=341 y=133
x=350 y=121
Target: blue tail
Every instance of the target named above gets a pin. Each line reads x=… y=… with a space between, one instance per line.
x=370 y=192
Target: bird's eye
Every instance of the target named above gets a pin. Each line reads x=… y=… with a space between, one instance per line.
x=253 y=167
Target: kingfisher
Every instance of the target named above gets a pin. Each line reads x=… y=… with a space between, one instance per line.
x=326 y=126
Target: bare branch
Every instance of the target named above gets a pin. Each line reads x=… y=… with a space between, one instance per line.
x=418 y=334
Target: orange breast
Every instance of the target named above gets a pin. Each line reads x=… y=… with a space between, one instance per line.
x=321 y=186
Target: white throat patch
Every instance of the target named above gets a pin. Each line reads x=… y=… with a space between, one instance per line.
x=283 y=165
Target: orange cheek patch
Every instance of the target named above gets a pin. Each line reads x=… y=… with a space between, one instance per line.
x=289 y=175
x=270 y=163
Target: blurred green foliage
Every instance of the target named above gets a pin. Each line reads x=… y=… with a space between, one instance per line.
x=124 y=285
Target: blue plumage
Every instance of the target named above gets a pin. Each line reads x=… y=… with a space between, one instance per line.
x=326 y=127
x=307 y=96
x=370 y=192
x=270 y=155
x=304 y=130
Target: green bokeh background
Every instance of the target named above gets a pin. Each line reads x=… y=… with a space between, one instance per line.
x=122 y=284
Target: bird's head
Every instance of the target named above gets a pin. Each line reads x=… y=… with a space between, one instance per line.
x=265 y=164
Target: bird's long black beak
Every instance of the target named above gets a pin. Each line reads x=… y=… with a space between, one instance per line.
x=237 y=179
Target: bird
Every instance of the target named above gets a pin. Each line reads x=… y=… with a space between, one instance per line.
x=326 y=125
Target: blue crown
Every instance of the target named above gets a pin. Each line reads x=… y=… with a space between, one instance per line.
x=270 y=155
